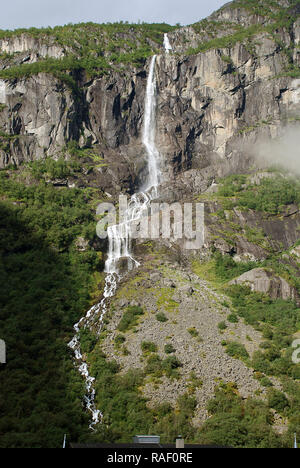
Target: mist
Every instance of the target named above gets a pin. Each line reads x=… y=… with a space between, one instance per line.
x=282 y=152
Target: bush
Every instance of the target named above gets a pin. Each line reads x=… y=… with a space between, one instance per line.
x=157 y=367
x=233 y=318
x=238 y=423
x=193 y=332
x=256 y=308
x=119 y=340
x=237 y=350
x=270 y=196
x=222 y=326
x=171 y=365
x=265 y=382
x=148 y=347
x=161 y=317
x=130 y=318
x=169 y=349
x=277 y=400
x=154 y=365
x=94 y=48
x=87 y=340
x=47 y=283
x=260 y=363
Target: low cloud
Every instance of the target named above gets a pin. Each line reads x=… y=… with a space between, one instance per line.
x=283 y=151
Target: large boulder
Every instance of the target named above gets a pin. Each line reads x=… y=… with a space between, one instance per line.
x=265 y=281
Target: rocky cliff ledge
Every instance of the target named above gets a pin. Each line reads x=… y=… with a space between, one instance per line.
x=216 y=99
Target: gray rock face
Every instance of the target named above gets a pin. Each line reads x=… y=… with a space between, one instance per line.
x=41 y=114
x=212 y=107
x=266 y=282
x=36 y=47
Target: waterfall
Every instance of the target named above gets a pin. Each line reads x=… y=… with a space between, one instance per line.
x=119 y=236
x=167 y=44
x=119 y=240
x=149 y=131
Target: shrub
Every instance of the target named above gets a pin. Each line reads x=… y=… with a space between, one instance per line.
x=237 y=350
x=260 y=363
x=222 y=326
x=87 y=340
x=193 y=332
x=171 y=365
x=161 y=317
x=154 y=365
x=169 y=349
x=233 y=318
x=148 y=347
x=277 y=400
x=119 y=340
x=158 y=367
x=130 y=318
x=265 y=382
x=256 y=308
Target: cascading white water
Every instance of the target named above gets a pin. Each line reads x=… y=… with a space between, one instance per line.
x=119 y=240
x=149 y=132
x=167 y=44
x=98 y=312
x=119 y=235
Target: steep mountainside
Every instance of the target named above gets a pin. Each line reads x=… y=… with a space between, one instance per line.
x=196 y=342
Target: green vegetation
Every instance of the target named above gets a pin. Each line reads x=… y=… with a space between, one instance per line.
x=130 y=318
x=119 y=341
x=232 y=318
x=225 y=42
x=237 y=350
x=52 y=169
x=169 y=348
x=88 y=340
x=148 y=347
x=46 y=284
x=124 y=408
x=194 y=383
x=277 y=400
x=159 y=367
x=276 y=21
x=236 y=422
x=193 y=332
x=165 y=300
x=271 y=195
x=277 y=320
x=256 y=308
x=59 y=216
x=94 y=48
x=226 y=268
x=161 y=317
x=222 y=326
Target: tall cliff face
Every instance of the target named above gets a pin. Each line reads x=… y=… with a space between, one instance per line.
x=213 y=110
x=212 y=102
x=180 y=324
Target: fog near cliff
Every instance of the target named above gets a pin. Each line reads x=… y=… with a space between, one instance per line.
x=283 y=151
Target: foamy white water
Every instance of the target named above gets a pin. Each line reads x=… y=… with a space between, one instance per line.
x=149 y=132
x=167 y=44
x=120 y=235
x=119 y=241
